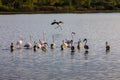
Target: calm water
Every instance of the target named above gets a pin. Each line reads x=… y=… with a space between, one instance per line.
x=56 y=64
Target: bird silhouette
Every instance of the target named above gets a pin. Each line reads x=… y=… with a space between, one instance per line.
x=57 y=23
x=86 y=46
x=12 y=47
x=107 y=47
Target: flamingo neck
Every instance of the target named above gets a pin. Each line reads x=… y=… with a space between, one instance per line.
x=85 y=42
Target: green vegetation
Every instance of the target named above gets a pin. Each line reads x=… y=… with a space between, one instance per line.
x=59 y=5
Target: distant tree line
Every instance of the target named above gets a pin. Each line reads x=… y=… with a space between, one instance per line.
x=58 y=5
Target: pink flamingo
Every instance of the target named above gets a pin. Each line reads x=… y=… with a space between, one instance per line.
x=28 y=45
x=70 y=41
x=42 y=44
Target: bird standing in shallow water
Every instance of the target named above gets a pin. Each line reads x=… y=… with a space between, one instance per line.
x=20 y=42
x=79 y=45
x=107 y=47
x=12 y=47
x=72 y=49
x=53 y=44
x=28 y=45
x=64 y=45
x=86 y=47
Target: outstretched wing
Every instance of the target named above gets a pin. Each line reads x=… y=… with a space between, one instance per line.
x=54 y=23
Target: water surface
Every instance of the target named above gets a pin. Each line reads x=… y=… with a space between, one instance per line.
x=56 y=64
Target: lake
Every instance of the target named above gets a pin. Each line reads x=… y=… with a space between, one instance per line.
x=25 y=64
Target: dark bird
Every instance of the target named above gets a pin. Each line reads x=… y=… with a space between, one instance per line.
x=55 y=22
x=86 y=46
x=53 y=43
x=72 y=49
x=12 y=47
x=107 y=47
x=58 y=23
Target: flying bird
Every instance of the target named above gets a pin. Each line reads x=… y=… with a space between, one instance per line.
x=57 y=23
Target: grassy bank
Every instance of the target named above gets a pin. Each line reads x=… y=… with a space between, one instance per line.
x=50 y=12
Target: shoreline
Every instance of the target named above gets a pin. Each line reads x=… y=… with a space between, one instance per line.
x=56 y=12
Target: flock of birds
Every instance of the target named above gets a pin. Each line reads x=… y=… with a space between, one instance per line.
x=43 y=44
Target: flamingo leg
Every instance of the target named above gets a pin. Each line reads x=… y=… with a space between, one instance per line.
x=58 y=27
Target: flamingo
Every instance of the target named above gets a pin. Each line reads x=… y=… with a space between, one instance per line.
x=20 y=42
x=35 y=47
x=39 y=44
x=70 y=41
x=86 y=46
x=28 y=45
x=72 y=35
x=53 y=44
x=79 y=46
x=43 y=43
x=107 y=47
x=72 y=48
x=64 y=45
x=58 y=23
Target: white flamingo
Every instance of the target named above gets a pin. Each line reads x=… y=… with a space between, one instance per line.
x=20 y=42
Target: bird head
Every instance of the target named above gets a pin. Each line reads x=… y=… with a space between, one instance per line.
x=84 y=40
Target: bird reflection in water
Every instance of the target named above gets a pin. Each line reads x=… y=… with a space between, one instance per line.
x=86 y=55
x=72 y=55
